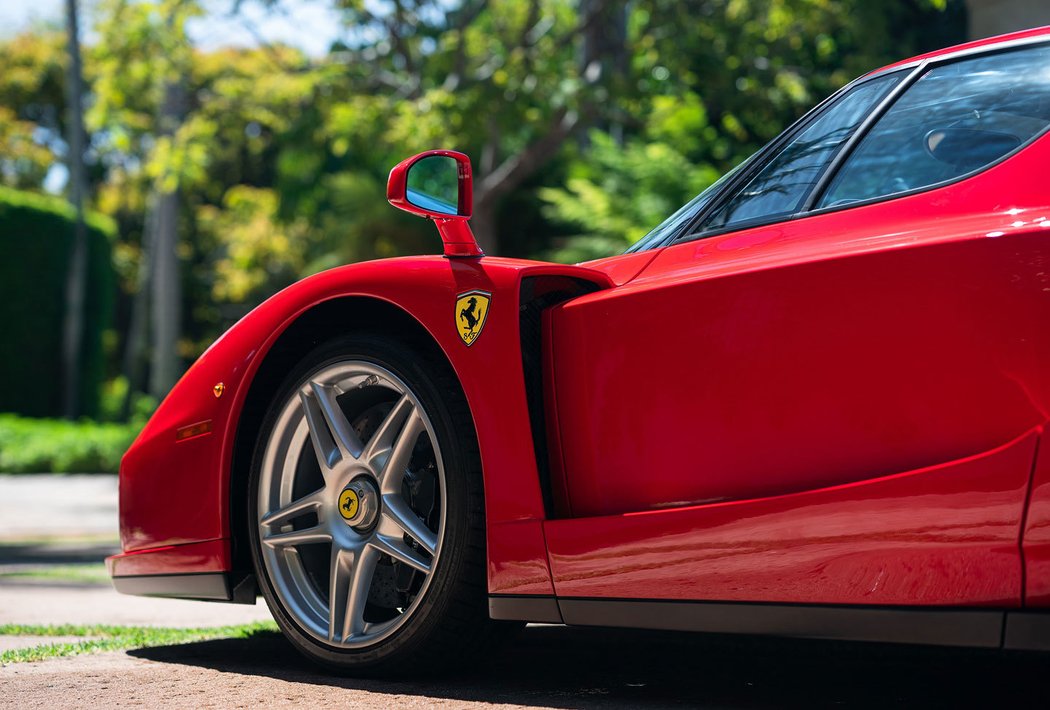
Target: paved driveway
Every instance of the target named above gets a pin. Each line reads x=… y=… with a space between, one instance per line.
x=552 y=667
x=57 y=506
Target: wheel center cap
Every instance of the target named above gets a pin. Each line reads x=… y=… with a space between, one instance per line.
x=359 y=503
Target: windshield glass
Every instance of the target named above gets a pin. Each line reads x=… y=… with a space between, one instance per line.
x=666 y=229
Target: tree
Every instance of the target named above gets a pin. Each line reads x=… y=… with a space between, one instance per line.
x=713 y=95
x=506 y=80
x=589 y=121
x=77 y=275
x=140 y=106
x=32 y=107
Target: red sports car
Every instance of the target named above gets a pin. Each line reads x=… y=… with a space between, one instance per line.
x=812 y=402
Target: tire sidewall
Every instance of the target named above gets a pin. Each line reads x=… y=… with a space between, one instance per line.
x=414 y=632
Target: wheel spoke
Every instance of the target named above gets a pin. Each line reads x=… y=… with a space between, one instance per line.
x=331 y=434
x=350 y=583
x=338 y=591
x=306 y=536
x=397 y=512
x=396 y=548
x=400 y=453
x=379 y=445
x=282 y=516
x=360 y=584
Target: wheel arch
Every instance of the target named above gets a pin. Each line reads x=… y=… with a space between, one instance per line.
x=189 y=529
x=310 y=328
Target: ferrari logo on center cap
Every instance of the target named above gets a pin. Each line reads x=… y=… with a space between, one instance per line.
x=348 y=503
x=472 y=308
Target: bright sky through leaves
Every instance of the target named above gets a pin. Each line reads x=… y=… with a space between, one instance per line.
x=312 y=28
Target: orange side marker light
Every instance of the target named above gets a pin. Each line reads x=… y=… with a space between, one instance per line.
x=192 y=431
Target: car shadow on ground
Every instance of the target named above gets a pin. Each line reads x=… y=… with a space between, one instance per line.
x=554 y=666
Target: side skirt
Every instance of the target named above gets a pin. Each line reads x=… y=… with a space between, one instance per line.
x=1027 y=631
x=975 y=628
x=534 y=609
x=209 y=586
x=941 y=627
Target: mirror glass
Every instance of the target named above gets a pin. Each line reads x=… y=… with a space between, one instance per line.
x=433 y=184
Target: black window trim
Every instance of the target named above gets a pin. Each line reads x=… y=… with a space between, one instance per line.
x=915 y=70
x=769 y=152
x=846 y=149
x=756 y=160
x=884 y=102
x=927 y=66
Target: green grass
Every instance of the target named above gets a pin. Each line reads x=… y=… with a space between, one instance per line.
x=90 y=573
x=115 y=638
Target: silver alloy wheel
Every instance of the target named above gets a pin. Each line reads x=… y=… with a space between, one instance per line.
x=326 y=481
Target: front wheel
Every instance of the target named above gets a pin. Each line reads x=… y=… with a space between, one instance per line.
x=366 y=511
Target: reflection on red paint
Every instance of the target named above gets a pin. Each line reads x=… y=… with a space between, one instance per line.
x=942 y=535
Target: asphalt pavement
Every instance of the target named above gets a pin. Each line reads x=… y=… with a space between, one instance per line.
x=548 y=667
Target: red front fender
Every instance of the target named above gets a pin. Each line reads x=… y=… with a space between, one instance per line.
x=175 y=495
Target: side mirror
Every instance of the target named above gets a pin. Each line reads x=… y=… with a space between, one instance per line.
x=438 y=185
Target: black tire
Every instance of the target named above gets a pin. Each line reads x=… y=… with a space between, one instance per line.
x=450 y=625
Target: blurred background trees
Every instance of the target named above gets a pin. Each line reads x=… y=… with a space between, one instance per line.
x=222 y=174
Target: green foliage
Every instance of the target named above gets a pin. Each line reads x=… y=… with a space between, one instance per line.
x=620 y=193
x=713 y=95
x=32 y=106
x=61 y=446
x=101 y=638
x=111 y=404
x=36 y=241
x=625 y=110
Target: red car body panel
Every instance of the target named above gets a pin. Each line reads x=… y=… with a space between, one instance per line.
x=944 y=535
x=906 y=339
x=848 y=408
x=1036 y=537
x=825 y=350
x=181 y=491
x=187 y=558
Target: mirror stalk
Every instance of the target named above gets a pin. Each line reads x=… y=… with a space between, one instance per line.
x=458 y=237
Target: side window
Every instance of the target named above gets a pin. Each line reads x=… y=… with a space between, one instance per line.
x=685 y=214
x=782 y=185
x=955 y=119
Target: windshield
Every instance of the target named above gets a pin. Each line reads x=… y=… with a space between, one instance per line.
x=670 y=226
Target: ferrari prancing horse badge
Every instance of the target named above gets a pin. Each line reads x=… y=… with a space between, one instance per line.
x=472 y=308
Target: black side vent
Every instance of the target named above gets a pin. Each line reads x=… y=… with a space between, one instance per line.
x=538 y=293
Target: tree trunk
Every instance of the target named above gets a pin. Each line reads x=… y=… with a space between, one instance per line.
x=604 y=58
x=167 y=289
x=76 y=276
x=166 y=298
x=135 y=345
x=483 y=224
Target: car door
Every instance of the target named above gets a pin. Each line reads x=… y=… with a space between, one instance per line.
x=835 y=395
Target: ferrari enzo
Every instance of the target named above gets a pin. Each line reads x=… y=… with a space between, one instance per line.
x=813 y=402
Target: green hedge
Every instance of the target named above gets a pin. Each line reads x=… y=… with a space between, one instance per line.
x=60 y=446
x=36 y=241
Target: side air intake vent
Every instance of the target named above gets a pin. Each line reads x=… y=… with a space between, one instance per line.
x=538 y=293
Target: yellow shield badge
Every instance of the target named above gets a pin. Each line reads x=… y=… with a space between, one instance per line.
x=472 y=308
